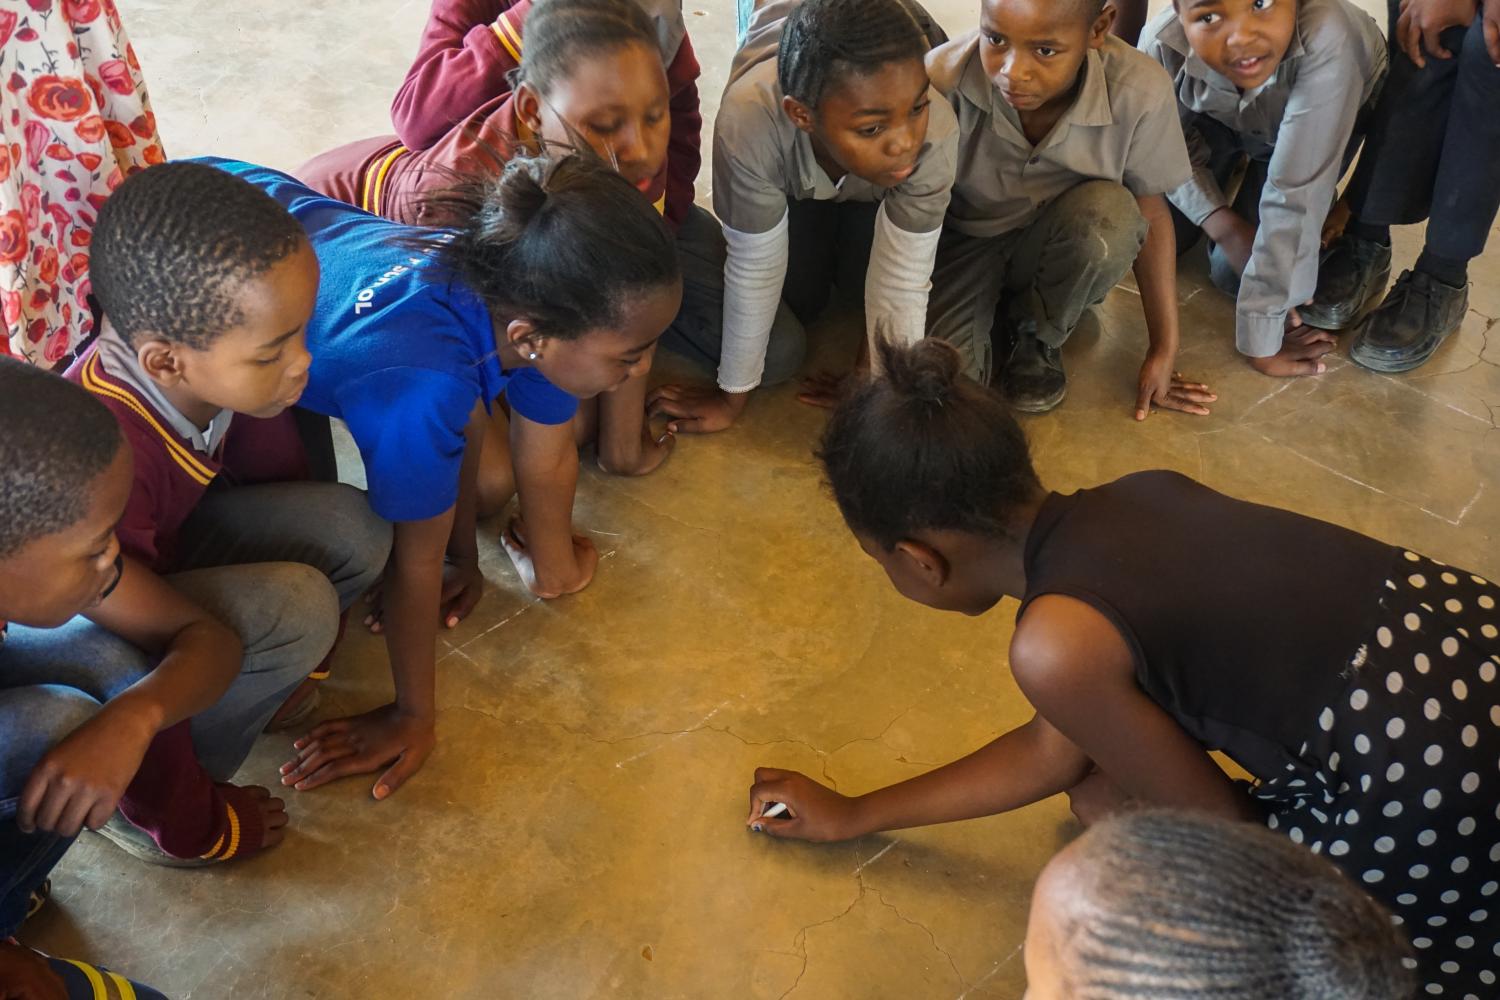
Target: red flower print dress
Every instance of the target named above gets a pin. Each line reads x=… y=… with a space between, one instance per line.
x=74 y=121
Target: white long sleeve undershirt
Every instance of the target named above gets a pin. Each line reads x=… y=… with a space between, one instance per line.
x=754 y=270
x=898 y=282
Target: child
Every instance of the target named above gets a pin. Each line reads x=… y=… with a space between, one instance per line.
x=471 y=48
x=1361 y=690
x=1174 y=904
x=1068 y=139
x=556 y=287
x=206 y=285
x=831 y=154
x=1431 y=154
x=591 y=71
x=1282 y=85
x=98 y=659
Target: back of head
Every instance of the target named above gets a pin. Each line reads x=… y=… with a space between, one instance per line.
x=824 y=41
x=175 y=243
x=56 y=440
x=561 y=32
x=1168 y=904
x=925 y=447
x=564 y=242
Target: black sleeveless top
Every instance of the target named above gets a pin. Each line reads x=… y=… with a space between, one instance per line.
x=1243 y=620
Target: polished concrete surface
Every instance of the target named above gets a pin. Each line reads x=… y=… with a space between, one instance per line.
x=579 y=832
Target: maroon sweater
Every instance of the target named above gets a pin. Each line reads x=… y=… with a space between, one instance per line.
x=467 y=50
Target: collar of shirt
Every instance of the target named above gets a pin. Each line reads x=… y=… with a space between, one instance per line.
x=1174 y=37
x=1089 y=109
x=121 y=362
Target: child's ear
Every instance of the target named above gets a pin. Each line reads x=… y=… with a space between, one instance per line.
x=529 y=108
x=800 y=114
x=1103 y=25
x=528 y=341
x=160 y=361
x=924 y=562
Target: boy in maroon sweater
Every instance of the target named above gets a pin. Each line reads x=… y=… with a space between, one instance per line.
x=206 y=284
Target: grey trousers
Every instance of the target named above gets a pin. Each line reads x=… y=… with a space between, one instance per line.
x=829 y=249
x=1046 y=273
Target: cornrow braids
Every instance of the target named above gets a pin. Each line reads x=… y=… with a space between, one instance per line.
x=561 y=32
x=560 y=239
x=174 y=244
x=1179 y=906
x=924 y=447
x=57 y=439
x=824 y=41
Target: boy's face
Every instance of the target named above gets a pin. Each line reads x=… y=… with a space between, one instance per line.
x=259 y=367
x=616 y=101
x=1032 y=50
x=56 y=576
x=1241 y=40
x=603 y=360
x=873 y=125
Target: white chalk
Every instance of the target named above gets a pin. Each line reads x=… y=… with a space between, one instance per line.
x=773 y=810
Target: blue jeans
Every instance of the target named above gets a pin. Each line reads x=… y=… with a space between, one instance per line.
x=1433 y=145
x=330 y=548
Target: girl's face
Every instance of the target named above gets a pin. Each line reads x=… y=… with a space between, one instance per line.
x=602 y=360
x=1241 y=40
x=617 y=101
x=873 y=125
x=54 y=577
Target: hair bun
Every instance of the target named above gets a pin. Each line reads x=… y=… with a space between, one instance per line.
x=927 y=371
x=520 y=194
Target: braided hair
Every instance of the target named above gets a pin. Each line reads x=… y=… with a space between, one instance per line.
x=924 y=447
x=560 y=239
x=1173 y=905
x=175 y=243
x=824 y=41
x=57 y=439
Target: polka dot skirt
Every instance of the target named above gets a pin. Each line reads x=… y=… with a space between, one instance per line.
x=1399 y=784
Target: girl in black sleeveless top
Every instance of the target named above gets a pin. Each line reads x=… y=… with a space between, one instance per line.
x=1160 y=619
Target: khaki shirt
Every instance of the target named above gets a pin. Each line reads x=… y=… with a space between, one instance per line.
x=1123 y=127
x=1301 y=120
x=762 y=161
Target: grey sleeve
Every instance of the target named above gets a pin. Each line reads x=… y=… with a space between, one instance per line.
x=749 y=164
x=1304 y=170
x=1158 y=157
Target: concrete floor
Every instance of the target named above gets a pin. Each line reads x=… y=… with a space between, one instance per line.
x=579 y=831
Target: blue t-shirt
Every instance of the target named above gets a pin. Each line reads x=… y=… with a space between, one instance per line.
x=400 y=357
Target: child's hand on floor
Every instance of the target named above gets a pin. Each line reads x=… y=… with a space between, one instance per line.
x=360 y=744
x=25 y=975
x=1422 y=23
x=551 y=581
x=1302 y=348
x=814 y=811
x=1161 y=386
x=695 y=409
x=79 y=782
x=463 y=586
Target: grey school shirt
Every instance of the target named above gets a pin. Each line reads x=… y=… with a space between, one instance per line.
x=1301 y=119
x=1122 y=127
x=762 y=161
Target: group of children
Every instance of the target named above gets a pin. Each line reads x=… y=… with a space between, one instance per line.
x=482 y=293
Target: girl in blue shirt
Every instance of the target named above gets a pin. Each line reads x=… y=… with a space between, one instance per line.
x=555 y=289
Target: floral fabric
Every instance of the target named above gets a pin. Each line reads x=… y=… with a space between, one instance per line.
x=74 y=122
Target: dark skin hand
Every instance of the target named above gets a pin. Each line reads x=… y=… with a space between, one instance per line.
x=1420 y=27
x=25 y=975
x=1302 y=350
x=1096 y=734
x=1160 y=384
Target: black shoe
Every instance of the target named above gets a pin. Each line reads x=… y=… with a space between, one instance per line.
x=1419 y=314
x=1032 y=377
x=1351 y=275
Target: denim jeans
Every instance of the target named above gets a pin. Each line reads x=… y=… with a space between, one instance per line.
x=276 y=563
x=1434 y=144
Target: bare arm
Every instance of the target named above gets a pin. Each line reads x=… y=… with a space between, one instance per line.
x=551 y=559
x=1156 y=277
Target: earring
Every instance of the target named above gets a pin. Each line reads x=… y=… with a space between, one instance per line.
x=532 y=356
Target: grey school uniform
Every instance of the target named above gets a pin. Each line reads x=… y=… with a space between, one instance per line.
x=1299 y=131
x=764 y=169
x=1050 y=228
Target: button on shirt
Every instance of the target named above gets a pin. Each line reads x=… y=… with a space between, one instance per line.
x=1301 y=120
x=1122 y=127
